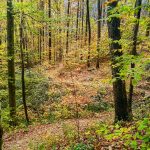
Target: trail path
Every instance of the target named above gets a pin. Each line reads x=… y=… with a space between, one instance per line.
x=83 y=79
x=22 y=140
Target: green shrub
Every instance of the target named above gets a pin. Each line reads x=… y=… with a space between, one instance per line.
x=97 y=106
x=81 y=146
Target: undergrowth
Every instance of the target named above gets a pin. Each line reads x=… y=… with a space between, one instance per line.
x=135 y=135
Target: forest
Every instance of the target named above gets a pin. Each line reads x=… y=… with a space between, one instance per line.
x=74 y=75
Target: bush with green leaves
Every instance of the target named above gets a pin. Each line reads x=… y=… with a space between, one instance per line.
x=98 y=104
x=36 y=85
x=123 y=135
x=36 y=89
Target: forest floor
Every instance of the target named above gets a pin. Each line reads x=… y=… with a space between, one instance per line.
x=82 y=84
x=85 y=82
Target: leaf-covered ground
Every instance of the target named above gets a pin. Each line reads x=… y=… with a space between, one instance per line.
x=81 y=84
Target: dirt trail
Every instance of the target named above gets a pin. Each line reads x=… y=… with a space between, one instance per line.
x=22 y=140
x=86 y=83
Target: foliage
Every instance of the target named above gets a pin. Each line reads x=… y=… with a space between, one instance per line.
x=135 y=135
x=36 y=94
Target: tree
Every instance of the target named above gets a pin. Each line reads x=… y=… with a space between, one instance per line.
x=22 y=48
x=41 y=34
x=1 y=132
x=89 y=31
x=1 y=128
x=77 y=20
x=11 y=57
x=137 y=15
x=148 y=27
x=119 y=89
x=82 y=22
x=99 y=8
x=68 y=24
x=50 y=32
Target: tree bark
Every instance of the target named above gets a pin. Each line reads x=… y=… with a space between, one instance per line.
x=137 y=15
x=77 y=20
x=50 y=32
x=68 y=24
x=11 y=66
x=89 y=33
x=119 y=90
x=1 y=137
x=148 y=27
x=82 y=23
x=22 y=48
x=1 y=128
x=99 y=8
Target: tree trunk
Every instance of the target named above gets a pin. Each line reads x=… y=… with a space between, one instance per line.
x=119 y=90
x=41 y=35
x=22 y=48
x=82 y=23
x=99 y=8
x=40 y=45
x=1 y=128
x=148 y=27
x=11 y=66
x=68 y=24
x=77 y=21
x=1 y=137
x=89 y=33
x=137 y=15
x=50 y=32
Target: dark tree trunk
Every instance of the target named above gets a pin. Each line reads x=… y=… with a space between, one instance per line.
x=40 y=45
x=11 y=66
x=119 y=90
x=148 y=27
x=22 y=48
x=77 y=20
x=68 y=24
x=0 y=36
x=1 y=128
x=41 y=34
x=1 y=137
x=82 y=23
x=89 y=33
x=50 y=32
x=137 y=15
x=86 y=30
x=0 y=44
x=99 y=8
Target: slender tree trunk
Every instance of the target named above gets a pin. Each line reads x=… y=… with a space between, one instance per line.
x=68 y=24
x=41 y=35
x=86 y=28
x=1 y=136
x=0 y=44
x=0 y=36
x=82 y=24
x=99 y=8
x=77 y=20
x=26 y=48
x=1 y=128
x=11 y=65
x=40 y=45
x=119 y=90
x=22 y=48
x=50 y=32
x=137 y=15
x=89 y=33
x=148 y=27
